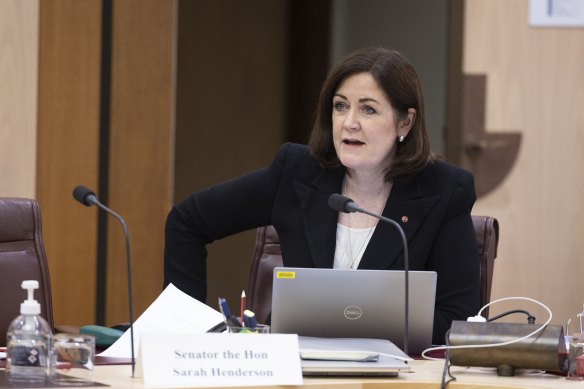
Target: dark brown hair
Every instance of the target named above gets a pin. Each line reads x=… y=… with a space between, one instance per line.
x=398 y=79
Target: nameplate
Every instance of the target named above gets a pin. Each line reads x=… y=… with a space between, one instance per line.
x=218 y=359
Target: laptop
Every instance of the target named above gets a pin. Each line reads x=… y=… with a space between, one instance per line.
x=335 y=303
x=351 y=357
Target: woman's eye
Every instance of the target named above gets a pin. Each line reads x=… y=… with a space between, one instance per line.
x=340 y=106
x=368 y=110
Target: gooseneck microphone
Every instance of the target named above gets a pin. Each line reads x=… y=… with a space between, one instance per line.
x=344 y=204
x=88 y=198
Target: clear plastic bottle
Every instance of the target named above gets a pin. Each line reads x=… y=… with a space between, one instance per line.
x=28 y=341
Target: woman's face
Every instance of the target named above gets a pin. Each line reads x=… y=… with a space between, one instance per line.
x=365 y=129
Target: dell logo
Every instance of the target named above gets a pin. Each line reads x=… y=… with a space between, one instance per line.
x=353 y=312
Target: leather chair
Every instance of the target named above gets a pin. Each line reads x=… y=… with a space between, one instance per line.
x=487 y=233
x=267 y=255
x=22 y=257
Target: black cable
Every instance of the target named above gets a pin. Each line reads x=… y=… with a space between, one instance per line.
x=530 y=317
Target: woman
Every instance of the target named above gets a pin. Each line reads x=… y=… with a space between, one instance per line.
x=369 y=143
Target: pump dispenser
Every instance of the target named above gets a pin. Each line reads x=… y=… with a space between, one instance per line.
x=28 y=341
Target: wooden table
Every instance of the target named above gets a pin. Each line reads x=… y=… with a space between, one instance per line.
x=424 y=375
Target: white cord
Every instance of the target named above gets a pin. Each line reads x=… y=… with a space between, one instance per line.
x=493 y=344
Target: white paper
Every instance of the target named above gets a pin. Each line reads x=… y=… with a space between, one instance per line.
x=214 y=359
x=172 y=312
x=556 y=13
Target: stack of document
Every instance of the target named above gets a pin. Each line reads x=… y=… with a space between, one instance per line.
x=173 y=312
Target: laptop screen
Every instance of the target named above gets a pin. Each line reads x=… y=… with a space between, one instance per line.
x=339 y=303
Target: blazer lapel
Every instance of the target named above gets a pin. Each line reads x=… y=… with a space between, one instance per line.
x=407 y=206
x=320 y=221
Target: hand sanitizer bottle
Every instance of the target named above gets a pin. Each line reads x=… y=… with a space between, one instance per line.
x=28 y=341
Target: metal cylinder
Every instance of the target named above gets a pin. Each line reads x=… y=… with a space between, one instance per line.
x=544 y=351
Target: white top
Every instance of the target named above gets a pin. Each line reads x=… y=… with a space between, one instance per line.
x=351 y=239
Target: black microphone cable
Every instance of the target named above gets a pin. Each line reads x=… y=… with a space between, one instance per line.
x=87 y=197
x=344 y=204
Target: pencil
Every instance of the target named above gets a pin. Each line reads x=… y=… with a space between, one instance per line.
x=243 y=303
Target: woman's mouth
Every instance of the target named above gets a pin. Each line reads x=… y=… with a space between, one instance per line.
x=353 y=142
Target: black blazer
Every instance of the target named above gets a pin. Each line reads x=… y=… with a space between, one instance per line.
x=433 y=207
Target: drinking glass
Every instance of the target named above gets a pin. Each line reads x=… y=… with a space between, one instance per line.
x=258 y=329
x=72 y=358
x=576 y=358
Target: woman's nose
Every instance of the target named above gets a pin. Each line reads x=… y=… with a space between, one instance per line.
x=351 y=122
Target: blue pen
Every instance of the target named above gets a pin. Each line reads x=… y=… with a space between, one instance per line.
x=224 y=308
x=249 y=319
x=229 y=318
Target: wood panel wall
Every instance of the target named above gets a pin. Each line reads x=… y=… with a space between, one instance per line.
x=18 y=95
x=68 y=118
x=232 y=75
x=141 y=148
x=535 y=85
x=231 y=123
x=141 y=131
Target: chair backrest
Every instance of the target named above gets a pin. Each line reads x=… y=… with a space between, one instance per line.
x=22 y=257
x=267 y=255
x=487 y=233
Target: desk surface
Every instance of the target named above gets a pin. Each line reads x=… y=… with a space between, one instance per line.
x=424 y=375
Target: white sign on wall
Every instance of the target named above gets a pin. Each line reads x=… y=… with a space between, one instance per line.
x=556 y=13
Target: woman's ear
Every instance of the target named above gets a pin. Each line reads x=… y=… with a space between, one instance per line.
x=406 y=124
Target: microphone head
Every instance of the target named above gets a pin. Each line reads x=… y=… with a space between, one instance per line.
x=341 y=203
x=84 y=195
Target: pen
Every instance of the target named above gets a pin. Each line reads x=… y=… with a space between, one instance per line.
x=242 y=304
x=249 y=319
x=229 y=318
x=224 y=308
